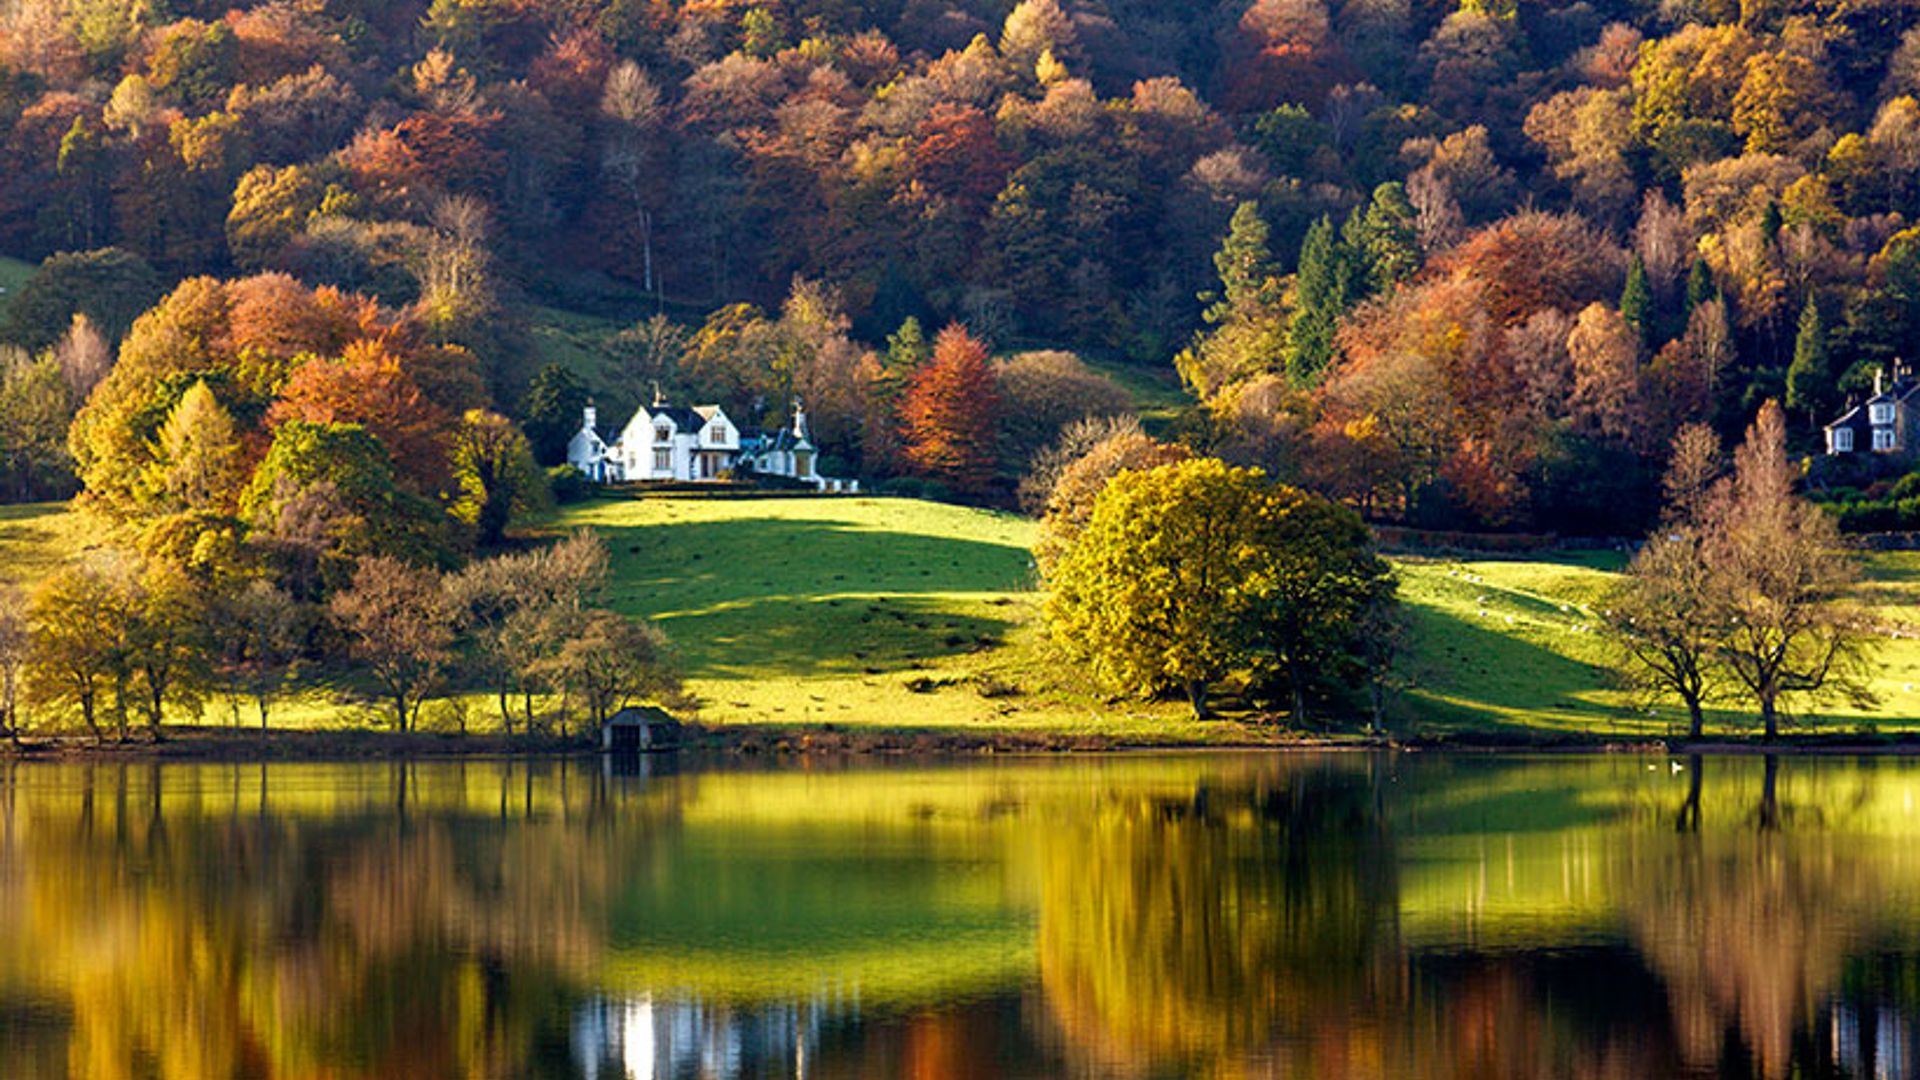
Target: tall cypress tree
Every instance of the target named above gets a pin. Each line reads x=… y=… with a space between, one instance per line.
x=1322 y=291
x=1810 y=378
x=1636 y=300
x=1699 y=285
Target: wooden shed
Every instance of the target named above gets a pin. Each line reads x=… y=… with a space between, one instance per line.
x=638 y=728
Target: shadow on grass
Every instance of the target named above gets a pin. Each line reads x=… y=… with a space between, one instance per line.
x=792 y=637
x=804 y=597
x=1458 y=659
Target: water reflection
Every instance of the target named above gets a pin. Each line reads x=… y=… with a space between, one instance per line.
x=1334 y=916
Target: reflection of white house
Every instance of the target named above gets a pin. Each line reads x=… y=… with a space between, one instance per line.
x=645 y=1038
x=667 y=442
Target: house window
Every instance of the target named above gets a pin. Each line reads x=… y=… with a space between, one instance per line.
x=662 y=433
x=1883 y=438
x=662 y=460
x=1843 y=440
x=1880 y=412
x=719 y=433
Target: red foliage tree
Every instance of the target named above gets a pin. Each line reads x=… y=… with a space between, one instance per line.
x=948 y=418
x=955 y=154
x=368 y=386
x=1536 y=260
x=1282 y=51
x=427 y=150
x=571 y=73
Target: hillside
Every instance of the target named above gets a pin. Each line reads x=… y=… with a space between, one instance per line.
x=910 y=615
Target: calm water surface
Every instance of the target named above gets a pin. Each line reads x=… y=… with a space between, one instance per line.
x=1220 y=915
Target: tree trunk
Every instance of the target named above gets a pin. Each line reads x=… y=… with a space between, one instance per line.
x=1769 y=714
x=1197 y=697
x=262 y=701
x=1696 y=720
x=506 y=710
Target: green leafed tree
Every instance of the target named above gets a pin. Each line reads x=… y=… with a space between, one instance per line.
x=35 y=408
x=1636 y=300
x=1385 y=238
x=1189 y=572
x=1810 y=382
x=554 y=403
x=77 y=657
x=496 y=476
x=1247 y=335
x=110 y=286
x=1323 y=290
x=199 y=465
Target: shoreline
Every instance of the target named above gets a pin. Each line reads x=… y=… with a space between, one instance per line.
x=191 y=744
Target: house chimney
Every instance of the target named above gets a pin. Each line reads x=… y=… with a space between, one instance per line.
x=799 y=419
x=1879 y=381
x=657 y=399
x=590 y=420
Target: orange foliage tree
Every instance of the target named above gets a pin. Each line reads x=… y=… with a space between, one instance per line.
x=950 y=415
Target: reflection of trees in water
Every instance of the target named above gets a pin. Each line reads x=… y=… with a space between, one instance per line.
x=1251 y=928
x=409 y=939
x=1747 y=920
x=1213 y=926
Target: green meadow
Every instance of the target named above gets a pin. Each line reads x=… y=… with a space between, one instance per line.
x=13 y=274
x=921 y=617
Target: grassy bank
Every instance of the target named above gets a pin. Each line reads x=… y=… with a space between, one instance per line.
x=871 y=623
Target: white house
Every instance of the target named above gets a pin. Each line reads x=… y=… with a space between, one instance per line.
x=668 y=442
x=1886 y=423
x=788 y=452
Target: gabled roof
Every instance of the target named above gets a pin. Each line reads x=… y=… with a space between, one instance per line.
x=683 y=418
x=1902 y=390
x=770 y=441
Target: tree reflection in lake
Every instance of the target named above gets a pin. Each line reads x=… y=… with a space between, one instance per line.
x=1278 y=915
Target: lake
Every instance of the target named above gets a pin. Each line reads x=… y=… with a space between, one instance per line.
x=1339 y=915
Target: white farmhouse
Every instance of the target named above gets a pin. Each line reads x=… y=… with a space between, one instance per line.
x=669 y=442
x=788 y=452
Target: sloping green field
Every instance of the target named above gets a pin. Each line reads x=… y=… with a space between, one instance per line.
x=855 y=611
x=1511 y=644
x=909 y=615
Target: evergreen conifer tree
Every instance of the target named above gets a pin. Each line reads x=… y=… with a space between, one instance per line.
x=1323 y=290
x=1636 y=301
x=1810 y=378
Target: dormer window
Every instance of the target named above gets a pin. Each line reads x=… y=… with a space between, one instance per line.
x=1880 y=412
x=662 y=432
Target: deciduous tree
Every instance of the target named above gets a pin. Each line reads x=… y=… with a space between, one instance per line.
x=1782 y=574
x=1188 y=572
x=399 y=627
x=950 y=413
